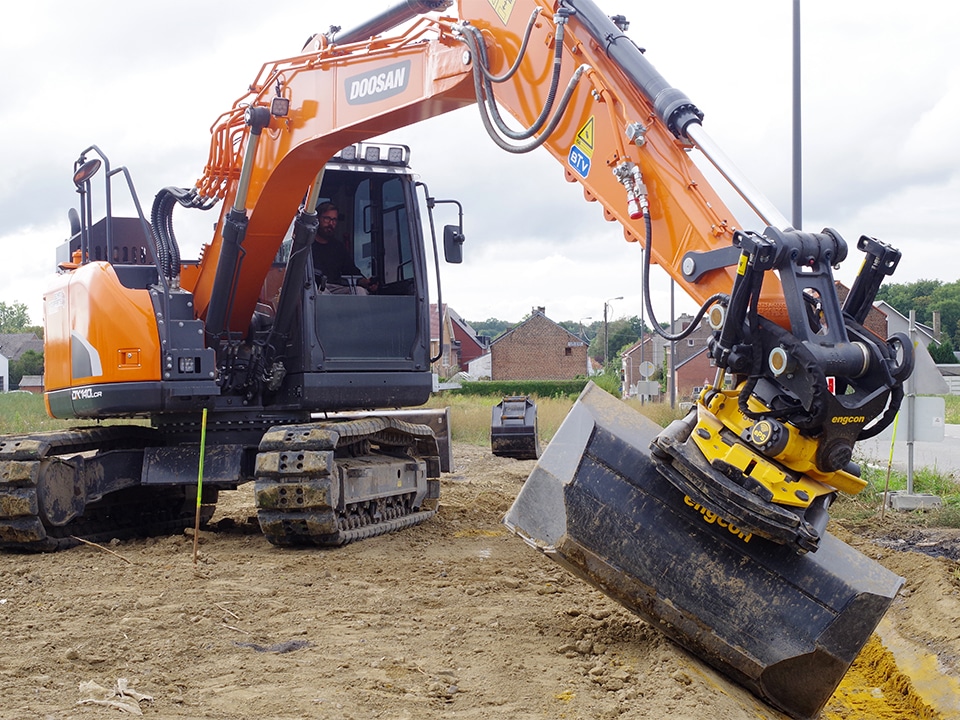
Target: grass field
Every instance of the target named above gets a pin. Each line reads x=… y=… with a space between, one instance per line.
x=952 y=412
x=23 y=412
x=470 y=422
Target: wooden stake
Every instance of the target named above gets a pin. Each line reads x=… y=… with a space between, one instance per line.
x=101 y=547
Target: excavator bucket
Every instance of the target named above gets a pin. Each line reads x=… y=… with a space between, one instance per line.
x=784 y=625
x=513 y=428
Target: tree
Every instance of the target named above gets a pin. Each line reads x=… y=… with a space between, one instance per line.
x=585 y=331
x=30 y=363
x=942 y=353
x=621 y=332
x=13 y=318
x=946 y=301
x=910 y=296
x=491 y=327
x=925 y=297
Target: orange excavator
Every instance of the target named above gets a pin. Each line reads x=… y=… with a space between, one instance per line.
x=713 y=530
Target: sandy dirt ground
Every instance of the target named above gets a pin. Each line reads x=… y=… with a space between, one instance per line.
x=455 y=618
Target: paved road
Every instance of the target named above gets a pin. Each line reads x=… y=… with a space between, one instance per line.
x=943 y=456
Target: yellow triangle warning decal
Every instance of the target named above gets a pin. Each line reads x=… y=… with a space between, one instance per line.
x=584 y=138
x=503 y=8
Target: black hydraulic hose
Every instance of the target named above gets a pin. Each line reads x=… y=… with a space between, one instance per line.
x=479 y=50
x=173 y=247
x=520 y=53
x=156 y=220
x=713 y=299
x=551 y=125
x=160 y=222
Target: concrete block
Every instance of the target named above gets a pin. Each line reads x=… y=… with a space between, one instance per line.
x=906 y=502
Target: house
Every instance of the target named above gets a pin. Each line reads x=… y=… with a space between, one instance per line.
x=441 y=342
x=32 y=383
x=652 y=352
x=467 y=344
x=927 y=377
x=12 y=348
x=538 y=349
x=479 y=368
x=458 y=345
x=896 y=322
x=693 y=373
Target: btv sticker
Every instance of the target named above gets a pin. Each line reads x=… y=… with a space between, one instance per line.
x=378 y=84
x=581 y=154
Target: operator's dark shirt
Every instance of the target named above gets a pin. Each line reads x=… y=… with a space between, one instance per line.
x=333 y=261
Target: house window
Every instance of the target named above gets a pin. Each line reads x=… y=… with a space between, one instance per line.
x=568 y=351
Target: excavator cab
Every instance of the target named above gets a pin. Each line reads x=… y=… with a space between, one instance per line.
x=370 y=348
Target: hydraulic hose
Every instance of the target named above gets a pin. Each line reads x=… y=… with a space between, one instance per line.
x=483 y=93
x=161 y=221
x=164 y=239
x=520 y=53
x=479 y=49
x=713 y=299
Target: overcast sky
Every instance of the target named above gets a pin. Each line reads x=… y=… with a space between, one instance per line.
x=144 y=81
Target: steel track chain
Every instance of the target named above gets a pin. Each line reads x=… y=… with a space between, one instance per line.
x=131 y=512
x=288 y=466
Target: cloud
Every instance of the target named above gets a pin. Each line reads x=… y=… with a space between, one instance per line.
x=146 y=81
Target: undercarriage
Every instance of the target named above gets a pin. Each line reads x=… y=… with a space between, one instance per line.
x=317 y=483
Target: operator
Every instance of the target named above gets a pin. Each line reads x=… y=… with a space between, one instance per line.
x=332 y=261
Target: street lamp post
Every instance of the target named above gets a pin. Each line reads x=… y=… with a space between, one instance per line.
x=606 y=344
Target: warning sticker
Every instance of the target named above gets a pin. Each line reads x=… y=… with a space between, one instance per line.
x=581 y=154
x=503 y=8
x=584 y=139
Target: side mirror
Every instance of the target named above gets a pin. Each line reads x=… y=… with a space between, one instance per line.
x=86 y=171
x=453 y=244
